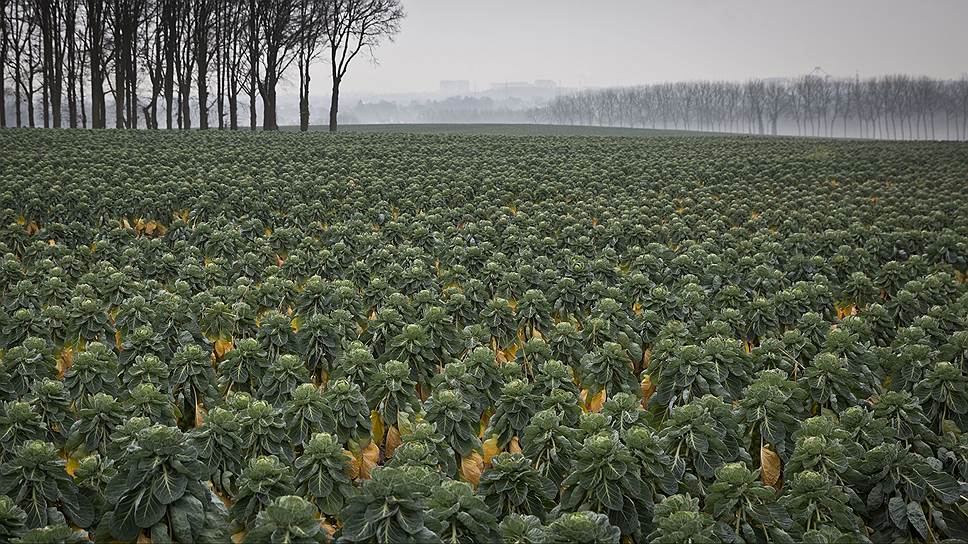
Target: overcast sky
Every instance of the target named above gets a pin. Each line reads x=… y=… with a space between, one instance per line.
x=625 y=42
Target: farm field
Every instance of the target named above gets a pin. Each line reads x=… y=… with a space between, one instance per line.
x=481 y=337
x=499 y=129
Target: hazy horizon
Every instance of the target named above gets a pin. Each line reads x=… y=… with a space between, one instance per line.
x=617 y=43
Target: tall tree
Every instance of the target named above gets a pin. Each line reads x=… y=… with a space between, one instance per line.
x=153 y=59
x=311 y=38
x=124 y=21
x=170 y=14
x=202 y=13
x=185 y=53
x=233 y=17
x=69 y=18
x=252 y=17
x=351 y=26
x=20 y=25
x=281 y=34
x=3 y=63
x=96 y=34
x=49 y=19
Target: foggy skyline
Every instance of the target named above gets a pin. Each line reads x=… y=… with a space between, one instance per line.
x=614 y=43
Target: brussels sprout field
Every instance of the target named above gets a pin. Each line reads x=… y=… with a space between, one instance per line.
x=281 y=337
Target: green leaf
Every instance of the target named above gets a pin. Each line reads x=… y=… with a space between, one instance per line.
x=916 y=516
x=181 y=529
x=946 y=487
x=122 y=522
x=898 y=512
x=148 y=511
x=159 y=533
x=169 y=486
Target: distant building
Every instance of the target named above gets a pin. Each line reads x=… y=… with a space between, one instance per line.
x=453 y=87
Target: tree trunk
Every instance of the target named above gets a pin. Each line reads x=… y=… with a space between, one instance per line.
x=253 y=62
x=185 y=105
x=233 y=110
x=81 y=103
x=30 y=87
x=71 y=79
x=201 y=60
x=303 y=97
x=3 y=86
x=170 y=21
x=268 y=92
x=303 y=112
x=17 y=82
x=98 y=119
x=334 y=106
x=119 y=94
x=202 y=93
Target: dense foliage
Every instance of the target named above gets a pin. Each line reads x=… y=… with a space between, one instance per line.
x=389 y=338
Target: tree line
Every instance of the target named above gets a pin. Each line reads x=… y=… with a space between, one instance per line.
x=64 y=62
x=888 y=107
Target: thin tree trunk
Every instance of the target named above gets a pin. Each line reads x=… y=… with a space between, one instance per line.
x=334 y=106
x=17 y=82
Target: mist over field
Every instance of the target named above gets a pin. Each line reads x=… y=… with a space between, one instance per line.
x=891 y=69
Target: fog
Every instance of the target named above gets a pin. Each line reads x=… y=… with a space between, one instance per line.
x=582 y=44
x=692 y=64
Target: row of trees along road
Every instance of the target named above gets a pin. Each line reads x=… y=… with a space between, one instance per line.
x=888 y=107
x=156 y=58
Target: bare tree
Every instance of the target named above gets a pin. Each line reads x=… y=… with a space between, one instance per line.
x=280 y=37
x=124 y=20
x=204 y=20
x=232 y=15
x=153 y=59
x=96 y=33
x=185 y=53
x=69 y=21
x=755 y=99
x=49 y=19
x=4 y=45
x=350 y=26
x=20 y=28
x=311 y=40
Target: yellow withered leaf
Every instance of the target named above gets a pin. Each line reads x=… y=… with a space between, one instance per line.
x=514 y=446
x=471 y=468
x=485 y=419
x=199 y=415
x=393 y=441
x=65 y=361
x=770 y=466
x=595 y=403
x=648 y=389
x=222 y=347
x=490 y=449
x=369 y=459
x=354 y=465
x=376 y=427
x=72 y=465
